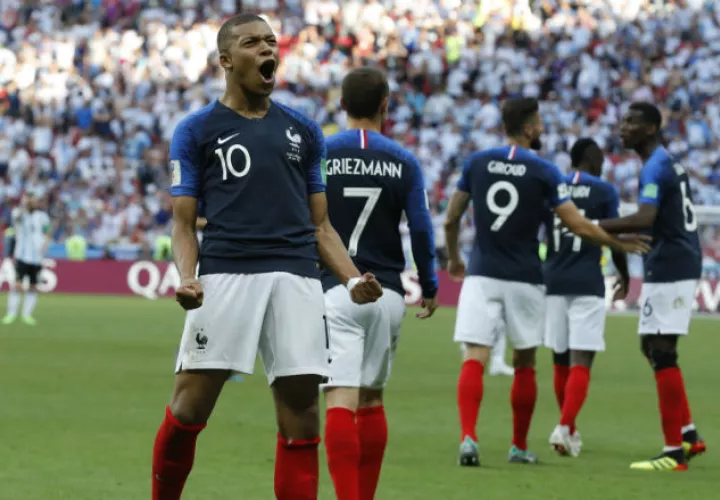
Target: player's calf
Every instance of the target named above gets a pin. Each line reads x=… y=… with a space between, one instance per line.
x=342 y=441
x=469 y=397
x=193 y=400
x=523 y=397
x=373 y=435
x=296 y=461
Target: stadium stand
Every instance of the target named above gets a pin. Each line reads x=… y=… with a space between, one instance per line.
x=90 y=92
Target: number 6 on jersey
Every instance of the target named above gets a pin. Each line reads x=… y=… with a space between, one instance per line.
x=372 y=195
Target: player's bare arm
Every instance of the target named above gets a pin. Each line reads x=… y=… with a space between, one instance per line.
x=334 y=255
x=186 y=250
x=641 y=220
x=587 y=230
x=622 y=284
x=459 y=202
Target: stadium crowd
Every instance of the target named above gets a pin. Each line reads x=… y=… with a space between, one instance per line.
x=90 y=91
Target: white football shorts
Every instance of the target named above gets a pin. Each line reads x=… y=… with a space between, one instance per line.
x=279 y=315
x=487 y=305
x=666 y=308
x=575 y=322
x=363 y=338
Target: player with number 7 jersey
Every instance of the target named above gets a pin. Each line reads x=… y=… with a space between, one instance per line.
x=510 y=187
x=371 y=181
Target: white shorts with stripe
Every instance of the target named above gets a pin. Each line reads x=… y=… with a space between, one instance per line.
x=363 y=338
x=487 y=305
x=278 y=315
x=575 y=322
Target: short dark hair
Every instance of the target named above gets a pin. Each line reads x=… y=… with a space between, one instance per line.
x=224 y=36
x=516 y=113
x=650 y=113
x=363 y=91
x=577 y=153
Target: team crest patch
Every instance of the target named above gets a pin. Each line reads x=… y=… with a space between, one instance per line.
x=679 y=303
x=176 y=174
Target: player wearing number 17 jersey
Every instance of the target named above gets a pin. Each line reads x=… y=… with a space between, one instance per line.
x=575 y=314
x=672 y=269
x=371 y=181
x=510 y=188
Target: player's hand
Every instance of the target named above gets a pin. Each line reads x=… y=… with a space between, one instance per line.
x=429 y=306
x=367 y=290
x=634 y=243
x=456 y=269
x=189 y=294
x=620 y=289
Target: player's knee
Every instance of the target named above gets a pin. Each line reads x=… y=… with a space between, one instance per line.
x=188 y=412
x=582 y=358
x=476 y=352
x=663 y=358
x=561 y=358
x=524 y=358
x=371 y=398
x=342 y=397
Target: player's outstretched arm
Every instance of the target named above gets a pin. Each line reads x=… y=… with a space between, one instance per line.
x=459 y=202
x=641 y=220
x=334 y=255
x=586 y=229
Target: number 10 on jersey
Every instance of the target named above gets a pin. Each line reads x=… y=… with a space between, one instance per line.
x=372 y=195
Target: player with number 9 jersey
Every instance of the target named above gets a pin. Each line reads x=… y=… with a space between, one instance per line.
x=671 y=272
x=510 y=188
x=371 y=182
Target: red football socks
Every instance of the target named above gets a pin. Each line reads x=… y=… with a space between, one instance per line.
x=686 y=414
x=522 y=398
x=342 y=446
x=560 y=378
x=173 y=456
x=296 y=469
x=575 y=393
x=469 y=396
x=671 y=395
x=373 y=433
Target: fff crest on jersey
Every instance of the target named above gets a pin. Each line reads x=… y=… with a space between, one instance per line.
x=295 y=142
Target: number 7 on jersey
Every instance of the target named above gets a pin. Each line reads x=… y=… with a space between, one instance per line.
x=372 y=195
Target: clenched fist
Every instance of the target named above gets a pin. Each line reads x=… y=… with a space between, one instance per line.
x=366 y=290
x=189 y=294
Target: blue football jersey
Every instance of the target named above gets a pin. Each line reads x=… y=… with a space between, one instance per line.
x=371 y=181
x=510 y=188
x=254 y=177
x=675 y=253
x=573 y=265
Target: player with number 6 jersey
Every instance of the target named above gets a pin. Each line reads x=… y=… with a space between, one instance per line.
x=510 y=188
x=575 y=314
x=672 y=270
x=371 y=181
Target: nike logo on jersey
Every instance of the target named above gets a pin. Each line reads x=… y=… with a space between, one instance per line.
x=223 y=141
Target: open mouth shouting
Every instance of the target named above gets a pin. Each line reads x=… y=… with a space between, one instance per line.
x=267 y=71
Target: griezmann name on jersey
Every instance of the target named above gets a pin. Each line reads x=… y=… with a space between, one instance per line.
x=254 y=178
x=573 y=265
x=510 y=188
x=676 y=254
x=371 y=181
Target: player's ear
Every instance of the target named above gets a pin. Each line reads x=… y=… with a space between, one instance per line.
x=225 y=60
x=384 y=106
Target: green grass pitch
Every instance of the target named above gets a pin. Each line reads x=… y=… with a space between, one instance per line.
x=82 y=395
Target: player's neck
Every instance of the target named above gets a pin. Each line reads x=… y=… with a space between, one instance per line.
x=519 y=142
x=646 y=150
x=245 y=104
x=374 y=125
